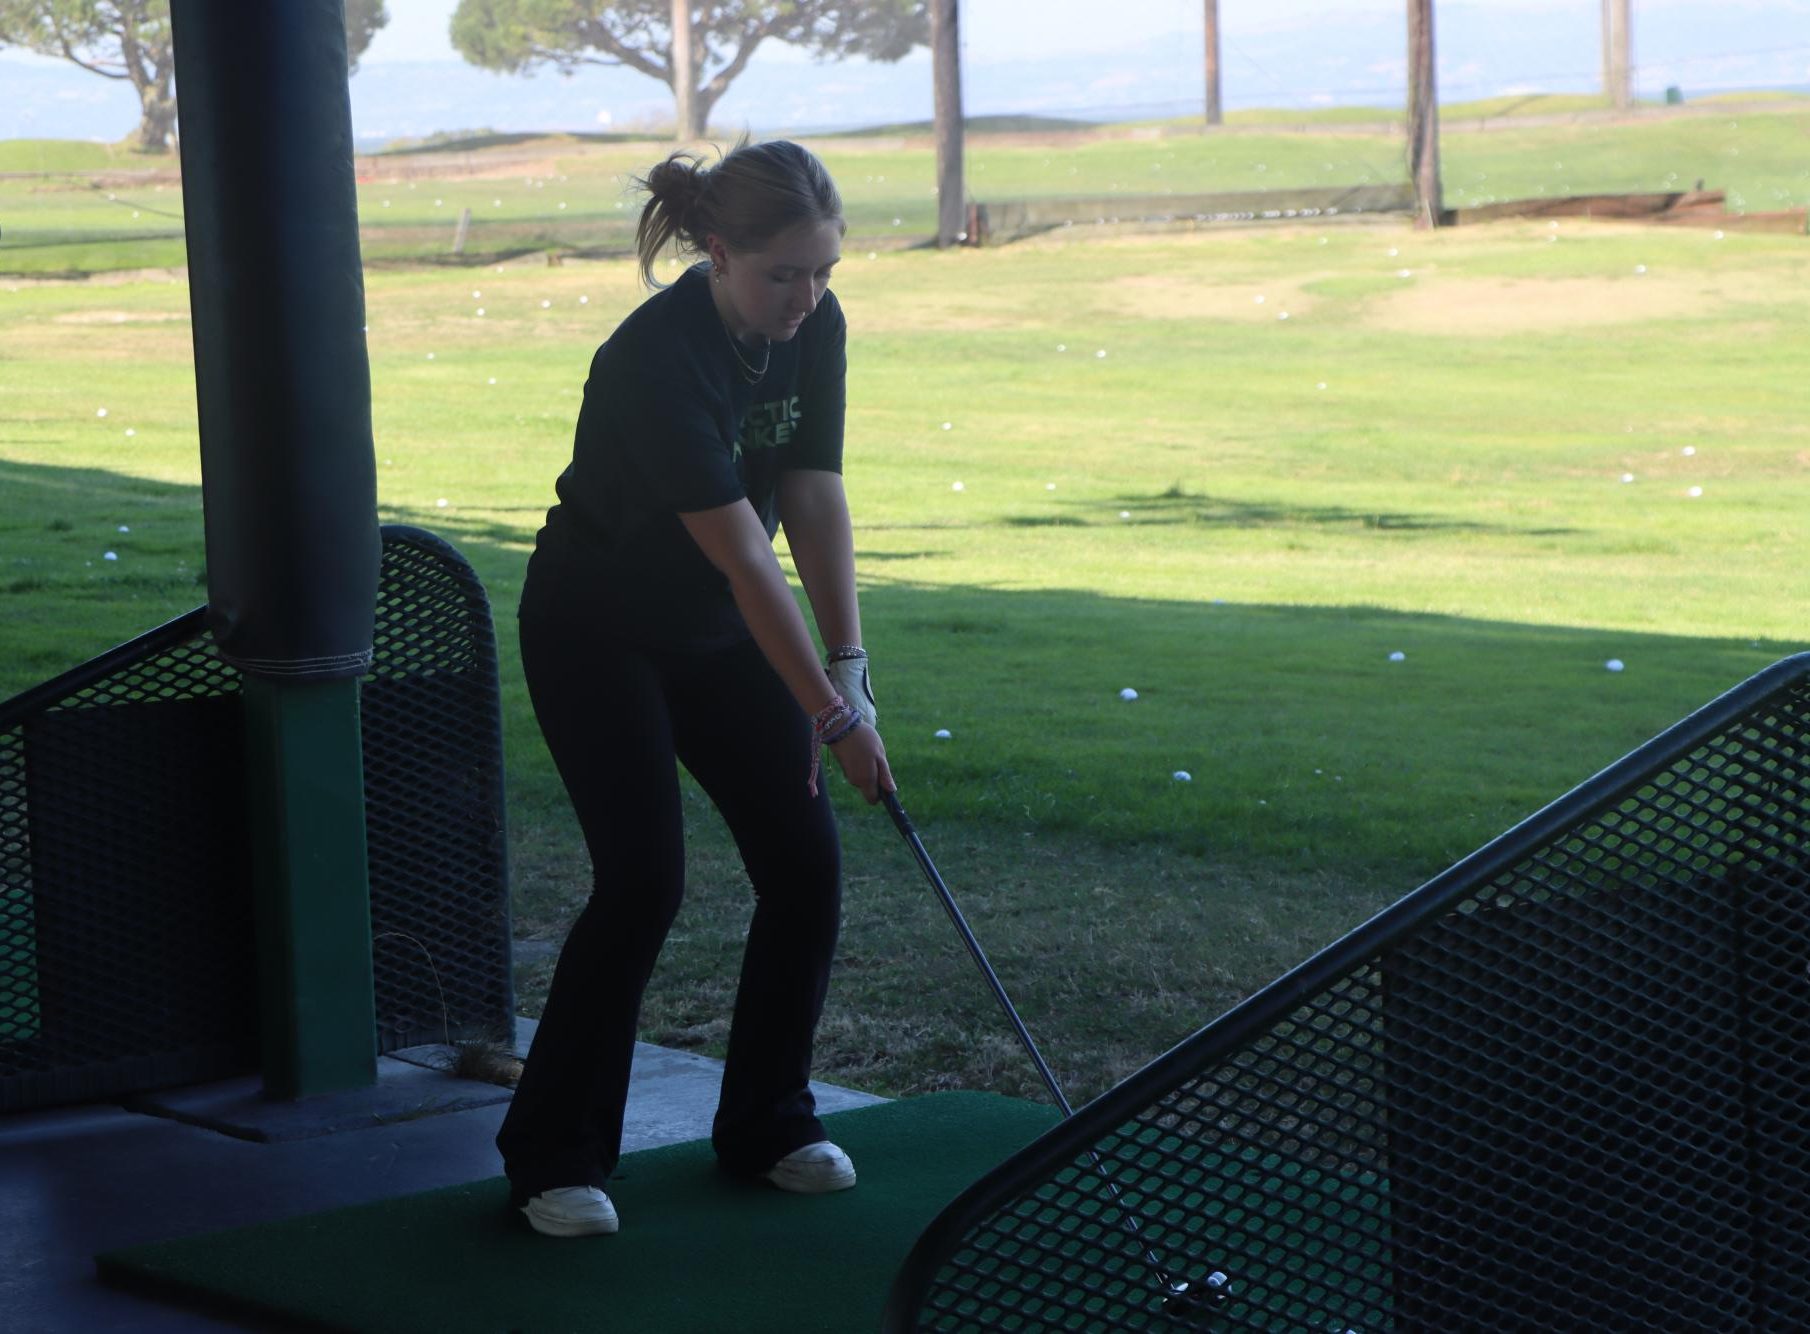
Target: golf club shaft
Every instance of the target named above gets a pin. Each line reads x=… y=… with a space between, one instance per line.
x=903 y=821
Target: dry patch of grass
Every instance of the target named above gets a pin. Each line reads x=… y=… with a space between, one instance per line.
x=1200 y=296
x=1432 y=304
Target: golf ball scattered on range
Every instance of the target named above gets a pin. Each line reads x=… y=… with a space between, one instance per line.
x=100 y=412
x=1614 y=664
x=1128 y=693
x=1688 y=450
x=1694 y=492
x=958 y=487
x=1183 y=776
x=1627 y=477
x=942 y=734
x=1398 y=656
x=111 y=555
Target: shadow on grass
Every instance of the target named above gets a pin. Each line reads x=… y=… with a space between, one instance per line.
x=1179 y=506
x=1124 y=905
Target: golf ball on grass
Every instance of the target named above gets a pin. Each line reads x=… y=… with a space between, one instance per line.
x=1128 y=693
x=1398 y=656
x=942 y=734
x=1183 y=776
x=1614 y=664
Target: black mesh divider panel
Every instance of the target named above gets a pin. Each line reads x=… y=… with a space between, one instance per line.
x=126 y=950
x=1564 y=1086
x=434 y=802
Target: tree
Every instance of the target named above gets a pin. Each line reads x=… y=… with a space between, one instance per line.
x=130 y=40
x=1214 y=115
x=520 y=36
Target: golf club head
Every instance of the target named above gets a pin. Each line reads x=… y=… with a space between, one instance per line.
x=1195 y=1305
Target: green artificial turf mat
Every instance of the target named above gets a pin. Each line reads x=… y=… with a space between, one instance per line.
x=698 y=1252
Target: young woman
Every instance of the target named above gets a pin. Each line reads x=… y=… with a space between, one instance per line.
x=657 y=625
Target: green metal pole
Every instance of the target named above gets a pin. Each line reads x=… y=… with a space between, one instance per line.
x=311 y=885
x=288 y=481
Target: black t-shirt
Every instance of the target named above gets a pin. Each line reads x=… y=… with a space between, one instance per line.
x=670 y=425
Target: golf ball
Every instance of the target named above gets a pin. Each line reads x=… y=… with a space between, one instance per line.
x=942 y=734
x=1128 y=693
x=1183 y=776
x=1398 y=656
x=1614 y=664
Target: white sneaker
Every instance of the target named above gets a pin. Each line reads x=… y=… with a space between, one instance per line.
x=813 y=1170
x=571 y=1211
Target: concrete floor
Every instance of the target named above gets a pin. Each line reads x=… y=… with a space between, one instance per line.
x=78 y=1180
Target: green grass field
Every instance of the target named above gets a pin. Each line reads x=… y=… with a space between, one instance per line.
x=1084 y=462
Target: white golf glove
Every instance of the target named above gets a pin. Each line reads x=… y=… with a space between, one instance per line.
x=849 y=677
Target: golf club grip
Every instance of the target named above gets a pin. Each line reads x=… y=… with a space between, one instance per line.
x=902 y=820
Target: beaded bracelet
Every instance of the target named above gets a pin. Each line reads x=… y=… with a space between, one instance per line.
x=828 y=714
x=847 y=653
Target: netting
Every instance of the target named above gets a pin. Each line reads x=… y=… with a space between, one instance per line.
x=126 y=943
x=1562 y=1086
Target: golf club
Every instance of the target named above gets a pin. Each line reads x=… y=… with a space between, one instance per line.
x=1181 y=1299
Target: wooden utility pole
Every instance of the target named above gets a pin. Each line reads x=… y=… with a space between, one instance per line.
x=1618 y=59
x=946 y=67
x=684 y=74
x=1423 y=116
x=1215 y=115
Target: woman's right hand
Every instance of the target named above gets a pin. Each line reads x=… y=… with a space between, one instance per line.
x=862 y=756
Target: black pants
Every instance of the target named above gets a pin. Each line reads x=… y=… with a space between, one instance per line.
x=615 y=718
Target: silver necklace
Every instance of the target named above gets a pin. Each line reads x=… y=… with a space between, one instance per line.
x=750 y=372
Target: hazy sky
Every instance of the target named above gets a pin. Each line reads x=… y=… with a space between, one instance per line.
x=1046 y=57
x=417 y=28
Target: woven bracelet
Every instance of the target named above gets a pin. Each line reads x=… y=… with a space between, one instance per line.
x=854 y=721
